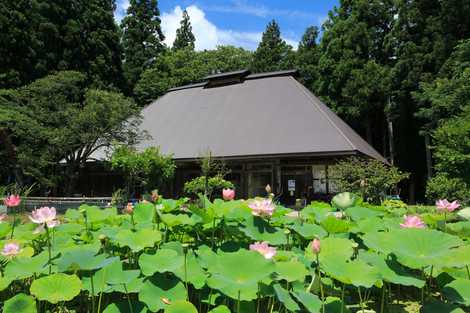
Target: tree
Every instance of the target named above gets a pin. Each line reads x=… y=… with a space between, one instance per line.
x=184 y=35
x=44 y=36
x=56 y=123
x=185 y=66
x=142 y=38
x=307 y=58
x=145 y=170
x=273 y=53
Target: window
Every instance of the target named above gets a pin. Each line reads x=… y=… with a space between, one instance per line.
x=319 y=178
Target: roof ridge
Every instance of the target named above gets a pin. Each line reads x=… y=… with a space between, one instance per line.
x=306 y=93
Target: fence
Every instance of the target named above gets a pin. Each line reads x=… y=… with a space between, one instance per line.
x=62 y=203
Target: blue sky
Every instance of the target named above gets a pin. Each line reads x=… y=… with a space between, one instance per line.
x=239 y=22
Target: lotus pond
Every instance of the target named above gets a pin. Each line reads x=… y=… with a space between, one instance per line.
x=236 y=256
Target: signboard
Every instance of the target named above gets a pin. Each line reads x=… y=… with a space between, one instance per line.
x=291 y=184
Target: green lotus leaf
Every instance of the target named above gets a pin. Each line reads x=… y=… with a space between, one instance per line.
x=458 y=257
x=230 y=210
x=5 y=282
x=144 y=212
x=181 y=306
x=134 y=286
x=415 y=248
x=458 y=291
x=441 y=307
x=310 y=301
x=73 y=215
x=259 y=229
x=316 y=212
x=284 y=297
x=220 y=309
x=360 y=213
x=107 y=277
x=20 y=303
x=356 y=272
x=25 y=267
x=26 y=232
x=138 y=240
x=344 y=200
x=83 y=258
x=461 y=229
x=56 y=287
x=291 y=271
x=390 y=270
x=194 y=272
x=332 y=248
x=464 y=213
x=335 y=305
x=5 y=229
x=239 y=271
x=172 y=220
x=160 y=289
x=335 y=225
x=97 y=215
x=123 y=307
x=373 y=224
x=308 y=230
x=68 y=228
x=164 y=260
x=206 y=257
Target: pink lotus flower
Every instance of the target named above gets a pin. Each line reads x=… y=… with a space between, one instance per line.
x=262 y=207
x=444 y=205
x=12 y=201
x=10 y=250
x=129 y=209
x=412 y=221
x=44 y=216
x=2 y=217
x=316 y=246
x=228 y=194
x=263 y=248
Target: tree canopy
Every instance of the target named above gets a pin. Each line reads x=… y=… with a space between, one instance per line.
x=184 y=34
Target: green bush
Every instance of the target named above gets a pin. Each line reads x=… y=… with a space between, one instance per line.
x=443 y=187
x=368 y=177
x=214 y=184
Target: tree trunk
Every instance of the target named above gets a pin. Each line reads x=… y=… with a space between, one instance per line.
x=390 y=139
x=427 y=144
x=369 y=129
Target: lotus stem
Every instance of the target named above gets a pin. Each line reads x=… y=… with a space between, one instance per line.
x=186 y=273
x=342 y=298
x=382 y=302
x=49 y=249
x=468 y=271
x=238 y=302
x=321 y=285
x=131 y=309
x=92 y=294
x=361 y=303
x=445 y=221
x=213 y=232
x=13 y=224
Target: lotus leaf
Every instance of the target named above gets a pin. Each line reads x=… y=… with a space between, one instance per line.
x=309 y=231
x=461 y=229
x=194 y=272
x=344 y=200
x=373 y=224
x=56 y=287
x=159 y=290
x=5 y=229
x=335 y=225
x=284 y=296
x=20 y=303
x=458 y=291
x=458 y=257
x=332 y=249
x=259 y=229
x=356 y=272
x=415 y=248
x=316 y=213
x=69 y=228
x=96 y=215
x=172 y=220
x=164 y=260
x=123 y=307
x=4 y=282
x=464 y=213
x=137 y=241
x=144 y=212
x=291 y=271
x=181 y=306
x=310 y=301
x=83 y=258
x=360 y=213
x=389 y=270
x=220 y=309
x=25 y=267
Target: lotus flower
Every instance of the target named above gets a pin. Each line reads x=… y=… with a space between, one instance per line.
x=316 y=246
x=263 y=248
x=413 y=221
x=10 y=250
x=44 y=216
x=2 y=218
x=12 y=201
x=155 y=196
x=444 y=205
x=129 y=209
x=228 y=194
x=262 y=207
x=338 y=215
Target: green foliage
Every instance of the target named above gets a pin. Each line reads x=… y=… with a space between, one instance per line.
x=443 y=187
x=307 y=57
x=370 y=178
x=148 y=169
x=214 y=185
x=142 y=38
x=58 y=119
x=273 y=53
x=184 y=34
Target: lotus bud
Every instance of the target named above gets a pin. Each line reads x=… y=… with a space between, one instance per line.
x=316 y=246
x=228 y=194
x=155 y=196
x=129 y=209
x=12 y=201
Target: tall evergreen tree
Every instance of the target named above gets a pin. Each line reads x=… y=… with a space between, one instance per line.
x=184 y=35
x=307 y=57
x=273 y=53
x=142 y=38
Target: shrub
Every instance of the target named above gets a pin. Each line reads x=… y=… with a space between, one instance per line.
x=214 y=185
x=368 y=177
x=443 y=187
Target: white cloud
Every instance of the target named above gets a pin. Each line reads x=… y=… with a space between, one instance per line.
x=208 y=35
x=121 y=9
